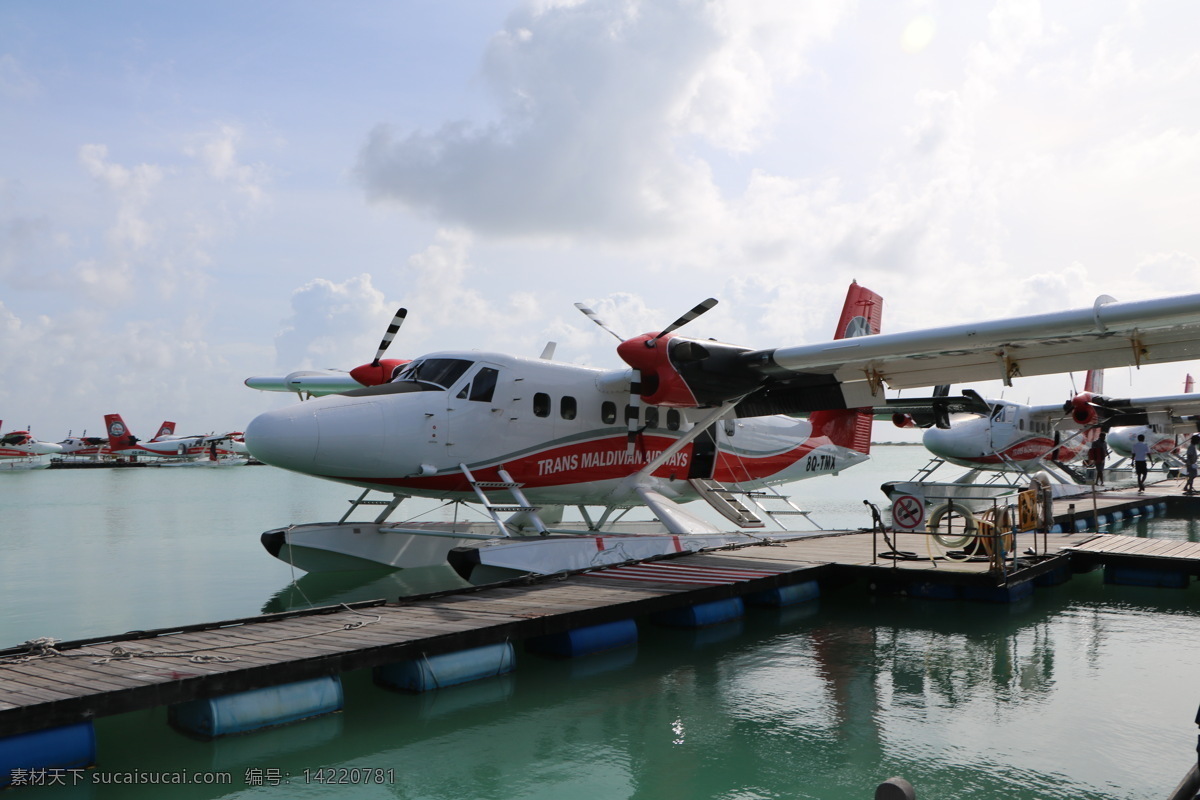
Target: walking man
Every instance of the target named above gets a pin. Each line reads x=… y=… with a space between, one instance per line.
x=1141 y=455
x=1190 y=460
x=1097 y=453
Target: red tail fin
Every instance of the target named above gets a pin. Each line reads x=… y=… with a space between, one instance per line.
x=1187 y=384
x=119 y=437
x=862 y=315
x=1094 y=382
x=166 y=429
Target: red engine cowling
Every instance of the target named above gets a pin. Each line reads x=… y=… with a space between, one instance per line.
x=378 y=374
x=903 y=421
x=1081 y=409
x=661 y=383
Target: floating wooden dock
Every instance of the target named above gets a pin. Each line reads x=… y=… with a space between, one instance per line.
x=81 y=680
x=49 y=686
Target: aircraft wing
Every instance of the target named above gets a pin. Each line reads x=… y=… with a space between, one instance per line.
x=314 y=382
x=1116 y=412
x=851 y=373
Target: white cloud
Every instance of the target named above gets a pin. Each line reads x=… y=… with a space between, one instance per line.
x=218 y=153
x=331 y=325
x=594 y=101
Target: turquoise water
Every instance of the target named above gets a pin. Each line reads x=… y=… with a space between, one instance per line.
x=1083 y=690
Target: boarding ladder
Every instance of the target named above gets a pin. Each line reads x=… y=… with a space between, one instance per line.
x=362 y=501
x=495 y=509
x=726 y=503
x=927 y=470
x=790 y=509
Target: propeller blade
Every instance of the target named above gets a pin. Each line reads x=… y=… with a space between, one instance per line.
x=386 y=342
x=633 y=412
x=685 y=319
x=592 y=316
x=941 y=414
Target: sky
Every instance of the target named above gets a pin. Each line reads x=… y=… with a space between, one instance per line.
x=195 y=193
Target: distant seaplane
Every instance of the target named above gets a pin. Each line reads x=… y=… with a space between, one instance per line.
x=19 y=450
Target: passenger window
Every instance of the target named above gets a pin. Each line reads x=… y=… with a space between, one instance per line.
x=672 y=419
x=541 y=404
x=651 y=417
x=566 y=407
x=608 y=412
x=484 y=385
x=730 y=427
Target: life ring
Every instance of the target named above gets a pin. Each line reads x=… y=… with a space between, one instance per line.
x=1027 y=510
x=998 y=527
x=950 y=539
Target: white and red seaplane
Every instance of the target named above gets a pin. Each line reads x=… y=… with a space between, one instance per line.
x=20 y=451
x=1016 y=437
x=224 y=449
x=687 y=418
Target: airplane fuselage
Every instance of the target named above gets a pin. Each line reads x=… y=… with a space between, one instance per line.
x=1013 y=436
x=1161 y=442
x=19 y=444
x=558 y=429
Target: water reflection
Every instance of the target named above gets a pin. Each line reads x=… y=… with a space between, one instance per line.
x=327 y=588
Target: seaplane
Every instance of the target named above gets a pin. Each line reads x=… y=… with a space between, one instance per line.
x=1017 y=437
x=702 y=419
x=1161 y=433
x=84 y=445
x=207 y=450
x=20 y=451
x=1003 y=443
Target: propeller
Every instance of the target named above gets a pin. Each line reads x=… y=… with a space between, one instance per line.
x=640 y=360
x=596 y=319
x=386 y=341
x=696 y=311
x=380 y=371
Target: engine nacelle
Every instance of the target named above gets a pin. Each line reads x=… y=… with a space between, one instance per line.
x=660 y=383
x=378 y=374
x=904 y=421
x=1082 y=409
x=689 y=373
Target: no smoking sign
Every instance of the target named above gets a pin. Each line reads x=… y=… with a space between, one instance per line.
x=908 y=512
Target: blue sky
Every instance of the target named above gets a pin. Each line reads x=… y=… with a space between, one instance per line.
x=191 y=193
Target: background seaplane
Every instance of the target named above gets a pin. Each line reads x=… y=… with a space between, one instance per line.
x=1016 y=437
x=84 y=445
x=701 y=420
x=210 y=449
x=20 y=451
x=1161 y=434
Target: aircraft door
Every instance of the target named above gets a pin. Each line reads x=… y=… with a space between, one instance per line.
x=1000 y=429
x=476 y=421
x=704 y=454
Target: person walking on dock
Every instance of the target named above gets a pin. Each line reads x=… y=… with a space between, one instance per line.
x=1189 y=459
x=1141 y=456
x=1097 y=453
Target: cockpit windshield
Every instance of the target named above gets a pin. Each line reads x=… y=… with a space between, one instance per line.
x=440 y=371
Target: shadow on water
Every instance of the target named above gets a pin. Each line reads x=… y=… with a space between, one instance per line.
x=328 y=588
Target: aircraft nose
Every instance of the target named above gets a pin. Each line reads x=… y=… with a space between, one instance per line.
x=284 y=438
x=943 y=442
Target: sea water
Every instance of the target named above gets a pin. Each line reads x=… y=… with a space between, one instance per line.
x=1082 y=690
